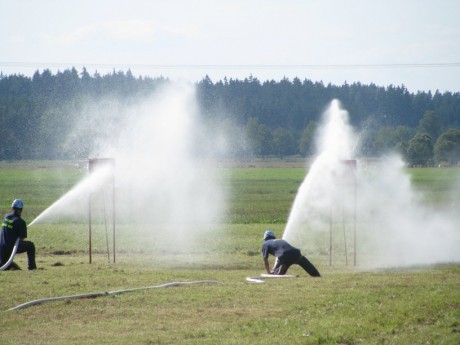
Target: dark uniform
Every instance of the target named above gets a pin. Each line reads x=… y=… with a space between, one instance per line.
x=14 y=227
x=287 y=255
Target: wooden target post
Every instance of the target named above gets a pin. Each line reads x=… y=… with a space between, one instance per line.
x=348 y=178
x=93 y=165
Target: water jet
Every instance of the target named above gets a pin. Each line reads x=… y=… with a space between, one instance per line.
x=390 y=224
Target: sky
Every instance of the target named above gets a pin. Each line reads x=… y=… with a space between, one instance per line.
x=415 y=43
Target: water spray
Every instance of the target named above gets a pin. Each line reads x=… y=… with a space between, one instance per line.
x=395 y=227
x=67 y=202
x=329 y=184
x=165 y=153
x=101 y=175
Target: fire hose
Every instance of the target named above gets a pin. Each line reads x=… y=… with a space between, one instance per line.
x=260 y=279
x=13 y=253
x=108 y=293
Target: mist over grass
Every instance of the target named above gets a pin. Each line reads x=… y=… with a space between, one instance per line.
x=399 y=227
x=169 y=194
x=369 y=211
x=165 y=154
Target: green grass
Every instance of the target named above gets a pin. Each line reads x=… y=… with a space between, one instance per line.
x=262 y=194
x=416 y=305
x=436 y=185
x=38 y=183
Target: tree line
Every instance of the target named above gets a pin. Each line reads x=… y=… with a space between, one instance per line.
x=38 y=114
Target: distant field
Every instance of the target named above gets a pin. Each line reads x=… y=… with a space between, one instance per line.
x=266 y=194
x=39 y=184
x=261 y=191
x=416 y=305
x=437 y=184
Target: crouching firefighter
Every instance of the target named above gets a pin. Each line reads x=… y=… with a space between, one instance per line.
x=14 y=228
x=285 y=254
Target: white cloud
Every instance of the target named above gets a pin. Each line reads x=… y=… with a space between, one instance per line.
x=126 y=30
x=113 y=30
x=131 y=29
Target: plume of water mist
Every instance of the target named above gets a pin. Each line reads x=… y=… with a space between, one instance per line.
x=393 y=226
x=166 y=173
x=398 y=229
x=167 y=195
x=162 y=161
x=320 y=190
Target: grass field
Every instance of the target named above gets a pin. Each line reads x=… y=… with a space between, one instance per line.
x=416 y=305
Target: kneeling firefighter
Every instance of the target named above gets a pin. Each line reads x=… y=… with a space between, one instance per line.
x=285 y=254
x=14 y=228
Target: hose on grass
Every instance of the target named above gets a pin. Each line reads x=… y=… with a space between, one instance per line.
x=13 y=253
x=108 y=293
